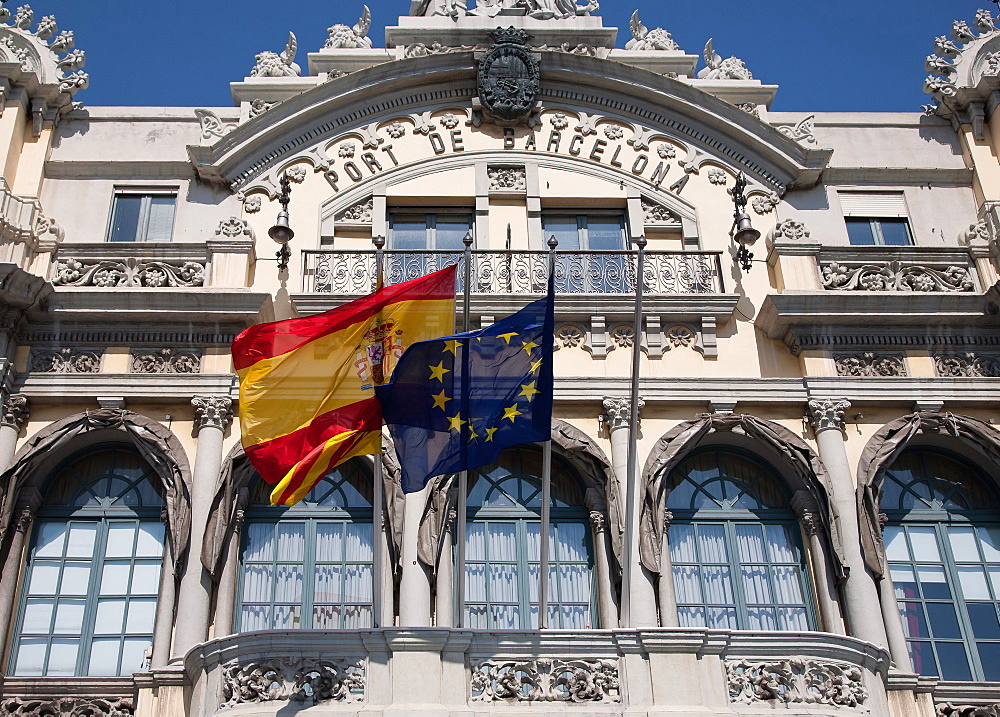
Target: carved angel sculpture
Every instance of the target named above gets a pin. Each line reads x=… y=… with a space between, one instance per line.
x=643 y=39
x=271 y=64
x=351 y=37
x=444 y=8
x=719 y=69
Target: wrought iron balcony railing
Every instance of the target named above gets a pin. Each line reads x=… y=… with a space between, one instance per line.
x=521 y=272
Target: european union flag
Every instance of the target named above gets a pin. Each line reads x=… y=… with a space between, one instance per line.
x=454 y=403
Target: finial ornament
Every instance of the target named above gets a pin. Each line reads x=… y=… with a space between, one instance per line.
x=716 y=68
x=271 y=64
x=828 y=413
x=644 y=39
x=212 y=411
x=342 y=36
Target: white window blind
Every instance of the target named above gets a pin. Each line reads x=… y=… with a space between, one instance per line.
x=161 y=219
x=872 y=204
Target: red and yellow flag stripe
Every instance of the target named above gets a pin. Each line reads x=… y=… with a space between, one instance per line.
x=307 y=398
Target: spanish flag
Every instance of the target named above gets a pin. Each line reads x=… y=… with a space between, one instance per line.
x=307 y=385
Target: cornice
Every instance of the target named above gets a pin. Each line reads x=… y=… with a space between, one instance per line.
x=140 y=388
x=899 y=176
x=200 y=306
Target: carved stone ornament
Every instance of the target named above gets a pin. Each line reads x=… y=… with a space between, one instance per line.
x=212 y=411
x=967 y=365
x=716 y=176
x=15 y=411
x=644 y=39
x=716 y=68
x=977 y=235
x=569 y=336
x=212 y=125
x=616 y=412
x=251 y=205
x=259 y=107
x=351 y=38
x=233 y=228
x=803 y=131
x=657 y=215
x=598 y=521
x=290 y=680
x=788 y=229
x=828 y=413
x=65 y=360
x=896 y=277
x=810 y=523
x=360 y=213
x=750 y=108
x=765 y=205
x=870 y=364
x=623 y=336
x=679 y=336
x=507 y=179
x=271 y=64
x=545 y=679
x=106 y=274
x=950 y=709
x=508 y=77
x=166 y=360
x=68 y=707
x=798 y=680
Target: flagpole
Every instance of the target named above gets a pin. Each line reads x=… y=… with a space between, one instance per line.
x=378 y=509
x=543 y=538
x=463 y=476
x=631 y=567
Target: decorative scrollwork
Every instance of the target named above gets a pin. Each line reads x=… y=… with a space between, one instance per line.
x=895 y=277
x=65 y=360
x=796 y=680
x=166 y=360
x=802 y=132
x=106 y=274
x=654 y=214
x=545 y=680
x=969 y=365
x=870 y=364
x=300 y=681
x=68 y=706
x=949 y=709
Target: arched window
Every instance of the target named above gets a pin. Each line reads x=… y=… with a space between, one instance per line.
x=502 y=546
x=89 y=599
x=309 y=566
x=942 y=542
x=735 y=546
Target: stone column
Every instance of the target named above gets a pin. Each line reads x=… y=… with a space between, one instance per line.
x=890 y=615
x=860 y=594
x=225 y=601
x=163 y=625
x=606 y=607
x=21 y=525
x=212 y=413
x=642 y=596
x=12 y=418
x=444 y=608
x=826 y=591
x=668 y=596
x=414 y=585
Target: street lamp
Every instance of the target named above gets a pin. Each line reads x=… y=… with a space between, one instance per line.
x=281 y=232
x=742 y=232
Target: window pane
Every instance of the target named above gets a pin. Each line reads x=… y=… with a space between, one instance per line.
x=110 y=617
x=260 y=542
x=30 y=656
x=38 y=616
x=359 y=542
x=780 y=544
x=146 y=578
x=983 y=617
x=329 y=542
x=255 y=617
x=288 y=583
x=150 y=543
x=964 y=545
x=257 y=583
x=718 y=589
x=358 y=583
x=713 y=544
x=409 y=235
x=691 y=617
x=62 y=657
x=115 y=579
x=291 y=543
x=989 y=656
x=104 y=657
x=605 y=233
x=133 y=654
x=787 y=587
x=859 y=231
x=125 y=218
x=924 y=542
x=687 y=584
x=69 y=617
x=81 y=540
x=756 y=587
x=989 y=540
x=750 y=540
x=75 y=579
x=943 y=621
x=141 y=614
x=895 y=232
x=121 y=540
x=450 y=233
x=914 y=624
x=922 y=655
x=954 y=663
x=681 y=538
x=565 y=230
x=895 y=543
x=933 y=583
x=973 y=582
x=44 y=578
x=51 y=537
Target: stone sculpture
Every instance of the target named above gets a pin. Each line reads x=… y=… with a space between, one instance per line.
x=644 y=39
x=342 y=36
x=718 y=69
x=271 y=64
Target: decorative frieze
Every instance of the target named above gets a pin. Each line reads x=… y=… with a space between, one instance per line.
x=894 y=276
x=290 y=680
x=68 y=707
x=166 y=360
x=360 y=213
x=968 y=365
x=950 y=709
x=657 y=215
x=870 y=363
x=797 y=680
x=65 y=360
x=545 y=679
x=107 y=274
x=507 y=179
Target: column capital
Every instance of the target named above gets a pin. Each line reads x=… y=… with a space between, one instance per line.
x=616 y=412
x=828 y=413
x=810 y=522
x=25 y=516
x=598 y=521
x=15 y=411
x=212 y=411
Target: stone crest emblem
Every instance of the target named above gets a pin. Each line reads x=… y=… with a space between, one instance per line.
x=508 y=77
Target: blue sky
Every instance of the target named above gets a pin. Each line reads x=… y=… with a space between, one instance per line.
x=827 y=55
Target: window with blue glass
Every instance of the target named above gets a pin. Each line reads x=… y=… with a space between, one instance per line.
x=942 y=543
x=591 y=246
x=89 y=598
x=864 y=231
x=310 y=566
x=502 y=546
x=735 y=547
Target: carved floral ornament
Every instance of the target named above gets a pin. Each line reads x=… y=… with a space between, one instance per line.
x=45 y=51
x=290 y=680
x=950 y=54
x=68 y=707
x=967 y=365
x=65 y=360
x=788 y=229
x=798 y=680
x=646 y=154
x=870 y=363
x=895 y=276
x=828 y=413
x=950 y=709
x=166 y=360
x=545 y=679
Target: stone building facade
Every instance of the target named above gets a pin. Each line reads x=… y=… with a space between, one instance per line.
x=814 y=523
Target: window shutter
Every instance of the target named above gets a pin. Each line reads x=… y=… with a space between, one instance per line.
x=161 y=219
x=873 y=204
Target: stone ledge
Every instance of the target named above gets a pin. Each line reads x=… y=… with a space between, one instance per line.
x=137 y=387
x=200 y=305
x=905 y=389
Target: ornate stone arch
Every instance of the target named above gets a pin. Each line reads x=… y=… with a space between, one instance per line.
x=35 y=461
x=789 y=455
x=970 y=437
